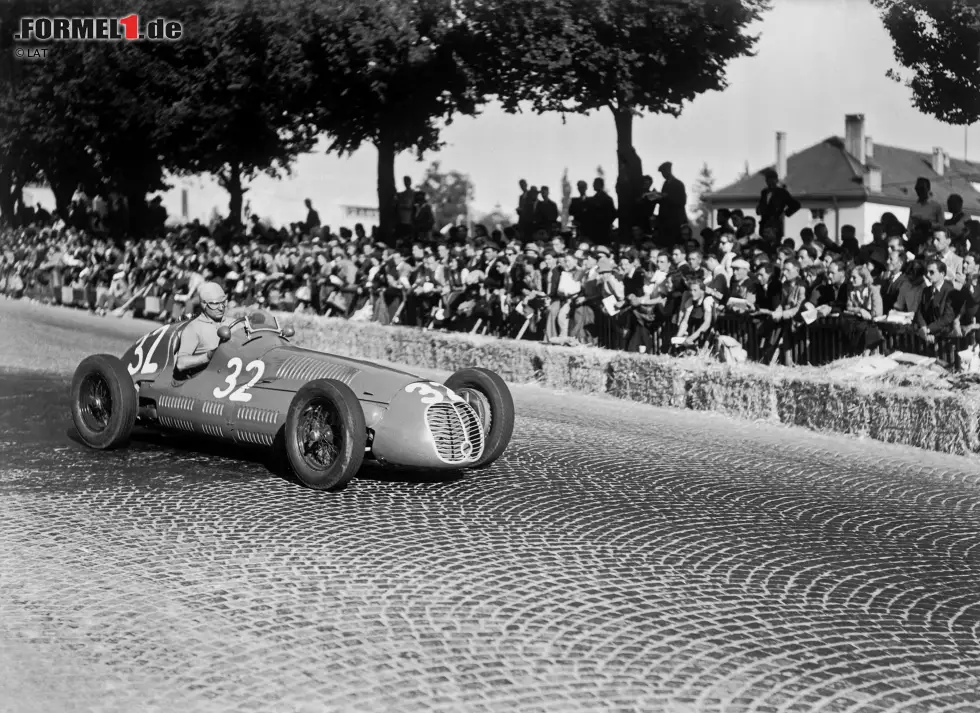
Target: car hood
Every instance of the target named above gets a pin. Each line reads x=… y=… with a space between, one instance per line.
x=288 y=368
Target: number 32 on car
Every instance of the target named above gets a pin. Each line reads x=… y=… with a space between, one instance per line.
x=233 y=391
x=432 y=396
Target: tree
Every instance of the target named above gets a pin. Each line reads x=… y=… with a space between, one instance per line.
x=388 y=74
x=239 y=91
x=939 y=44
x=449 y=194
x=566 y=198
x=705 y=185
x=625 y=56
x=88 y=113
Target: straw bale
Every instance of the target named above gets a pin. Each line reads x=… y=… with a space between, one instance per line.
x=940 y=422
x=733 y=392
x=650 y=379
x=821 y=405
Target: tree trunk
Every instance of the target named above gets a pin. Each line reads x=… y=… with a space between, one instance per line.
x=629 y=184
x=232 y=182
x=63 y=189
x=386 y=187
x=6 y=197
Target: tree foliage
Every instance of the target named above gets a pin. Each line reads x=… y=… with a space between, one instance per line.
x=388 y=74
x=449 y=193
x=938 y=43
x=704 y=185
x=238 y=95
x=625 y=56
x=88 y=112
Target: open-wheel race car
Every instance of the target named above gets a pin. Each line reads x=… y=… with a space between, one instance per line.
x=327 y=413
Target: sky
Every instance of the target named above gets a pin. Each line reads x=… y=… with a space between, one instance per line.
x=815 y=62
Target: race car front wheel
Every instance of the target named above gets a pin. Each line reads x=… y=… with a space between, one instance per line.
x=104 y=402
x=488 y=394
x=325 y=434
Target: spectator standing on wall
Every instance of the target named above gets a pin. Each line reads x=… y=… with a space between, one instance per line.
x=405 y=210
x=925 y=216
x=673 y=205
x=955 y=225
x=578 y=209
x=602 y=212
x=545 y=212
x=775 y=204
x=424 y=220
x=312 y=217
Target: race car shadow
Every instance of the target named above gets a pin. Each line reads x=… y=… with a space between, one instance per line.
x=389 y=474
x=272 y=460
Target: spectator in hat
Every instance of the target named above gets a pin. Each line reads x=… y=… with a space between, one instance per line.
x=775 y=204
x=673 y=206
x=199 y=338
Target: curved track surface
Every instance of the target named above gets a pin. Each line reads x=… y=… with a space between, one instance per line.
x=619 y=557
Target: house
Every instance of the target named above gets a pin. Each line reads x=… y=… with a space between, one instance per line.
x=851 y=181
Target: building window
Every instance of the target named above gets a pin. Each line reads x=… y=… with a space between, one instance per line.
x=818 y=214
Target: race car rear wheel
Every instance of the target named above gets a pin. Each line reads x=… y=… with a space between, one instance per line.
x=325 y=434
x=489 y=396
x=104 y=402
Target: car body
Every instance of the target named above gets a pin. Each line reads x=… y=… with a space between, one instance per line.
x=245 y=392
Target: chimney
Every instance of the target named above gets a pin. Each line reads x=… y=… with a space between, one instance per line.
x=938 y=160
x=854 y=136
x=781 y=155
x=872 y=177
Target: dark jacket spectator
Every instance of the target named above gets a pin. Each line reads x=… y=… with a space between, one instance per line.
x=775 y=203
x=936 y=314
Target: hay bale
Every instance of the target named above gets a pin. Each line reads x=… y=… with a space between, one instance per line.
x=734 y=392
x=939 y=422
x=822 y=405
x=650 y=379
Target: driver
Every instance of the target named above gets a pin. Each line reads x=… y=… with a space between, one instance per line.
x=200 y=337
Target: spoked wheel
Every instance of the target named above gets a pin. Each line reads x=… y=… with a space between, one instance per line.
x=321 y=435
x=487 y=393
x=325 y=434
x=103 y=402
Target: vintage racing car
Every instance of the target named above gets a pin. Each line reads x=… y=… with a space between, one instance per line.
x=328 y=413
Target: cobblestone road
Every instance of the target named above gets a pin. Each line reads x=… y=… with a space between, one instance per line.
x=619 y=558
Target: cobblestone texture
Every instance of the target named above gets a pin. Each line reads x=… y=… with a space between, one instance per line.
x=620 y=558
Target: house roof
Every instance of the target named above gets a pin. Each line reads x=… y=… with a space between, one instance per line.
x=826 y=171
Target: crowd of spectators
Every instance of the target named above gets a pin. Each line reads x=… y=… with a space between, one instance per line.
x=660 y=288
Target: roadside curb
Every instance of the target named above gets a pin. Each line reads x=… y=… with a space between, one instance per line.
x=934 y=420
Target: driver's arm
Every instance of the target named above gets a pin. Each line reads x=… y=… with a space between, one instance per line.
x=186 y=358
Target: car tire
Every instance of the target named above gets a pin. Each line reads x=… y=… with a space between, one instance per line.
x=501 y=403
x=305 y=444
x=104 y=402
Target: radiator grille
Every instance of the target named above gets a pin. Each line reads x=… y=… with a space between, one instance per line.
x=456 y=430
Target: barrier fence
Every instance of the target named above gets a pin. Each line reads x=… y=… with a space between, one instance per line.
x=815 y=344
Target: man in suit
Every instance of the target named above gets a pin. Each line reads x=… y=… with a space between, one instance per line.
x=935 y=315
x=893 y=279
x=673 y=206
x=775 y=203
